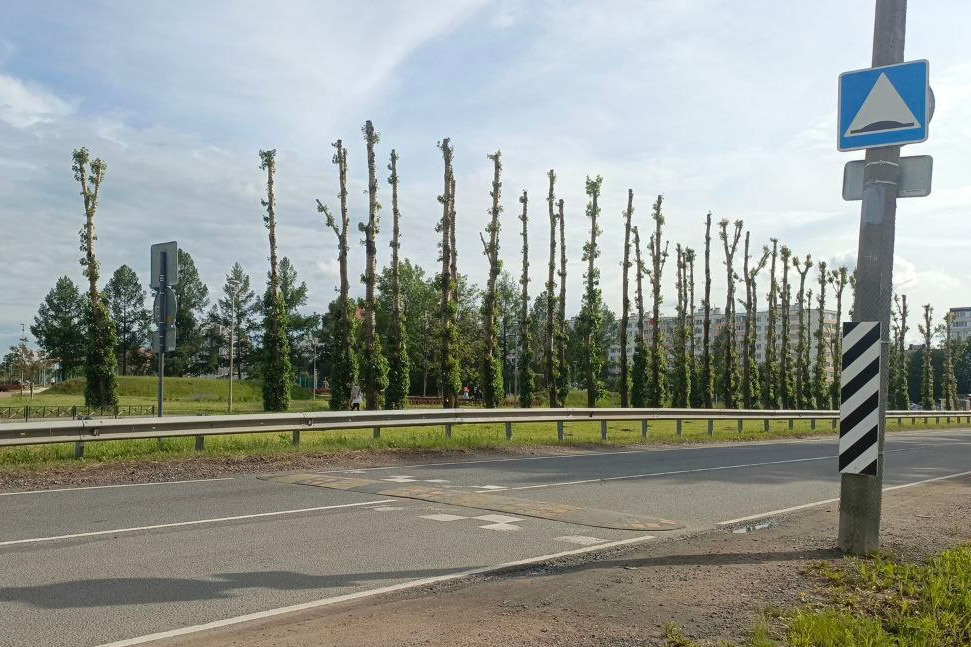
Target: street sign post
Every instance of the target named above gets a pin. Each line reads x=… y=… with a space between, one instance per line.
x=887 y=105
x=165 y=274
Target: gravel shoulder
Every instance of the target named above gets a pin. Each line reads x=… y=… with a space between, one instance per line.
x=715 y=585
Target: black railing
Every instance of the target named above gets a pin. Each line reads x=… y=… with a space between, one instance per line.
x=74 y=412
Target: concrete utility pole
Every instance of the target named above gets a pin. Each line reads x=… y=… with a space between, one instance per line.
x=861 y=495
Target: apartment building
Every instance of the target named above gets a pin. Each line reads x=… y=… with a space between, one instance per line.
x=960 y=324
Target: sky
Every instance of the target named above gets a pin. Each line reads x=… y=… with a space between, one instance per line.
x=718 y=105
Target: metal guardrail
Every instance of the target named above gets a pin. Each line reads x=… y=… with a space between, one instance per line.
x=43 y=412
x=82 y=431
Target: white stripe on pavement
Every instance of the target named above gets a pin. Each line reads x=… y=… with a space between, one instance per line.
x=179 y=524
x=411 y=584
x=119 y=485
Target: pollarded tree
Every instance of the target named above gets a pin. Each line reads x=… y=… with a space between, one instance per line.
x=730 y=378
x=820 y=388
x=707 y=361
x=657 y=387
x=802 y=345
x=125 y=298
x=399 y=365
x=750 y=367
x=277 y=371
x=374 y=367
x=343 y=363
x=100 y=366
x=625 y=303
x=786 y=390
x=591 y=317
x=525 y=321
x=770 y=368
x=563 y=370
x=681 y=389
x=949 y=390
x=696 y=398
x=550 y=355
x=450 y=376
x=839 y=278
x=639 y=368
x=927 y=371
x=492 y=360
x=899 y=390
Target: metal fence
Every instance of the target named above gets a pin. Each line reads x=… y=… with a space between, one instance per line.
x=75 y=412
x=81 y=430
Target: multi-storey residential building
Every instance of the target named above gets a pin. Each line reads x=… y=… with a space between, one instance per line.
x=960 y=324
x=669 y=326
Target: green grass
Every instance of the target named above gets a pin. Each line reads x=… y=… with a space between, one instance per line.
x=877 y=602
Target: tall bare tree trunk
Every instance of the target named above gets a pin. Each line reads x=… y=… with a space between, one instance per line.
x=657 y=387
x=625 y=304
x=375 y=366
x=551 y=299
x=492 y=374
x=730 y=381
x=786 y=393
x=450 y=379
x=707 y=363
x=563 y=373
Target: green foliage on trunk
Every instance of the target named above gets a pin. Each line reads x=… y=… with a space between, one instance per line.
x=786 y=391
x=450 y=377
x=374 y=367
x=624 y=385
x=277 y=369
x=591 y=319
x=525 y=321
x=927 y=372
x=562 y=369
x=681 y=387
x=899 y=398
x=399 y=367
x=840 y=278
x=639 y=367
x=492 y=360
x=949 y=392
x=771 y=365
x=730 y=375
x=657 y=384
x=803 y=391
x=821 y=394
x=707 y=380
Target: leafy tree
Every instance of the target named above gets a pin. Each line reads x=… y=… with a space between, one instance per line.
x=192 y=297
x=839 y=278
x=730 y=378
x=418 y=302
x=803 y=392
x=277 y=372
x=927 y=374
x=450 y=373
x=606 y=338
x=820 y=388
x=949 y=391
x=301 y=328
x=786 y=391
x=235 y=308
x=551 y=322
x=343 y=364
x=591 y=317
x=750 y=367
x=707 y=363
x=639 y=369
x=525 y=336
x=657 y=384
x=563 y=372
x=125 y=298
x=625 y=301
x=399 y=366
x=507 y=302
x=492 y=361
x=100 y=366
x=770 y=368
x=58 y=327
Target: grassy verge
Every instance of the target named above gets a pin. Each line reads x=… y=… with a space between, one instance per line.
x=878 y=602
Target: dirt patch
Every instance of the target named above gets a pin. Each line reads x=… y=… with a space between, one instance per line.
x=716 y=585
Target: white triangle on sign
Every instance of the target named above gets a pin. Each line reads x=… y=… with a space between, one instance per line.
x=883 y=111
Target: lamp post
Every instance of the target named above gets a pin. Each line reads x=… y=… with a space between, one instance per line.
x=314 y=343
x=234 y=286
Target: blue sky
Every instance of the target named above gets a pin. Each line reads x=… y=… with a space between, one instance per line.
x=727 y=106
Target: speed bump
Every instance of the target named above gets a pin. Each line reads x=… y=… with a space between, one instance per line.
x=596 y=518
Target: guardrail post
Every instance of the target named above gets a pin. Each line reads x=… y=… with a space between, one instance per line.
x=677 y=424
x=765 y=425
x=740 y=421
x=947 y=420
x=900 y=422
x=834 y=422
x=508 y=431
x=603 y=430
x=79 y=450
x=937 y=420
x=559 y=431
x=448 y=431
x=200 y=443
x=925 y=420
x=74 y=412
x=792 y=424
x=377 y=432
x=295 y=439
x=644 y=429
x=711 y=427
x=812 y=424
x=27 y=413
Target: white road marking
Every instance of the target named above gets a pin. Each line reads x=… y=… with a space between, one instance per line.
x=435 y=481
x=388 y=508
x=120 y=485
x=804 y=506
x=401 y=479
x=411 y=584
x=490 y=487
x=583 y=540
x=498 y=518
x=442 y=517
x=507 y=527
x=179 y=524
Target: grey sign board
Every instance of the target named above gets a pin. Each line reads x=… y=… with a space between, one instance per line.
x=170 y=251
x=914 y=180
x=169 y=340
x=170 y=305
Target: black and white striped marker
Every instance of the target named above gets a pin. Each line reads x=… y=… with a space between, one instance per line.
x=860 y=398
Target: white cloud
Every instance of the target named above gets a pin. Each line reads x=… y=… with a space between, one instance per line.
x=25 y=104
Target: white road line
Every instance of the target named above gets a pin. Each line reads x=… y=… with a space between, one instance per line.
x=411 y=584
x=179 y=524
x=804 y=506
x=120 y=485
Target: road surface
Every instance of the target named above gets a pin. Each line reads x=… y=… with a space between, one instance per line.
x=118 y=565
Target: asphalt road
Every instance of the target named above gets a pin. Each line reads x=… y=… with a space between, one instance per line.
x=90 y=567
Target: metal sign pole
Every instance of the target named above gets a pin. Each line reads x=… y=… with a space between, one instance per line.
x=861 y=495
x=163 y=285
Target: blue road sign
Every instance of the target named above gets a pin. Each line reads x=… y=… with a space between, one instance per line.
x=883 y=106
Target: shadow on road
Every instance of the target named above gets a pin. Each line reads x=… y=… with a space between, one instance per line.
x=110 y=592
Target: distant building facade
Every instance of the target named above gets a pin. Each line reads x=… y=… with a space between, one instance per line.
x=960 y=324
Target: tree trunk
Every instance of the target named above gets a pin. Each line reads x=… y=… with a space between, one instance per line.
x=625 y=303
x=657 y=384
x=563 y=377
x=493 y=370
x=707 y=369
x=551 y=300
